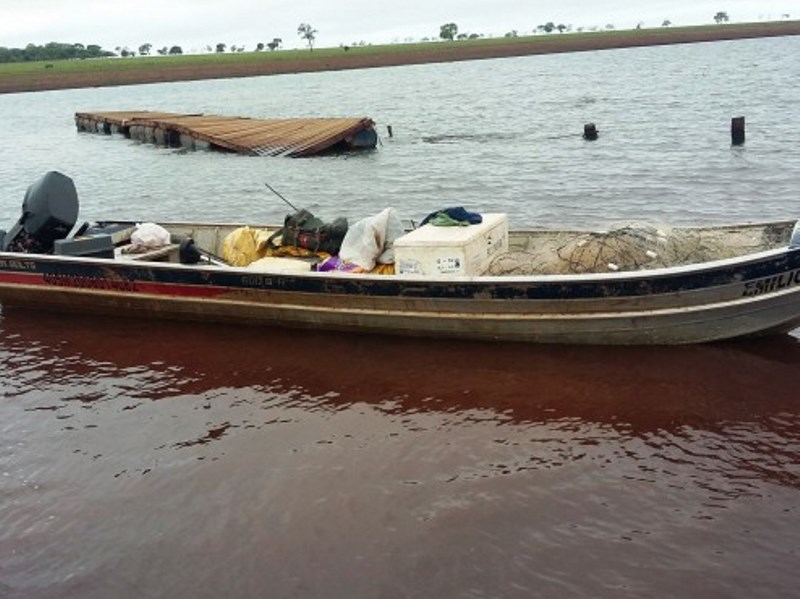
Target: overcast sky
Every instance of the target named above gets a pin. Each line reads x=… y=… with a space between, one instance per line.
x=195 y=24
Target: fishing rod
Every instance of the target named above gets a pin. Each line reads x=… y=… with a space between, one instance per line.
x=281 y=197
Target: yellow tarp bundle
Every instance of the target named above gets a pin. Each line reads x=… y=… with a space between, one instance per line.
x=244 y=245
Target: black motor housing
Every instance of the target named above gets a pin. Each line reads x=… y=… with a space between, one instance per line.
x=49 y=212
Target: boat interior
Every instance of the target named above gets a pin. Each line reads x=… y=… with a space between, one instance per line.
x=49 y=225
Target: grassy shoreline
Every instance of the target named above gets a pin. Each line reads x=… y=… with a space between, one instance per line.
x=41 y=76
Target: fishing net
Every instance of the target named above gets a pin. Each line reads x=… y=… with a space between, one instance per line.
x=625 y=248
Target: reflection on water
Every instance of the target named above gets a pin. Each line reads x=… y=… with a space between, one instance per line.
x=638 y=390
x=263 y=462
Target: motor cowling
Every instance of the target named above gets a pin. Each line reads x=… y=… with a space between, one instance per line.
x=49 y=212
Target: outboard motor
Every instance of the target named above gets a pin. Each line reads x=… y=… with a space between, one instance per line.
x=49 y=212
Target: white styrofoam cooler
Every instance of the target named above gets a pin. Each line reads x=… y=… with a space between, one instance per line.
x=432 y=250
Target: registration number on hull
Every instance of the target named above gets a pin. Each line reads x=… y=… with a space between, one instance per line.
x=773 y=283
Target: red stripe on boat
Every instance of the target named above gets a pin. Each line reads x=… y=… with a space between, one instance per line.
x=85 y=283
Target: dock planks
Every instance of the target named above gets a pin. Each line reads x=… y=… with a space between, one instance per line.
x=261 y=137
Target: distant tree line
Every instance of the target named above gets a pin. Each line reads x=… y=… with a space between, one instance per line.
x=62 y=51
x=147 y=49
x=449 y=31
x=52 y=51
x=221 y=47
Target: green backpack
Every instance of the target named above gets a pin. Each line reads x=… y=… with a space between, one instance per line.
x=304 y=230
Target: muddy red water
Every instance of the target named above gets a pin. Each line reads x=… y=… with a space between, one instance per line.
x=152 y=459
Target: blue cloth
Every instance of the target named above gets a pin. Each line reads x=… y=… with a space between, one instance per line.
x=456 y=213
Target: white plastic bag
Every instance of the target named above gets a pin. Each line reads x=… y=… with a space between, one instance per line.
x=150 y=235
x=371 y=240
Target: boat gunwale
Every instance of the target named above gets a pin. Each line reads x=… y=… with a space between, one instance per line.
x=617 y=276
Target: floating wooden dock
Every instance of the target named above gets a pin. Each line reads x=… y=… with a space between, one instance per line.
x=261 y=137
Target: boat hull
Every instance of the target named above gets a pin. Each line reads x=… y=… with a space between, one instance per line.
x=732 y=298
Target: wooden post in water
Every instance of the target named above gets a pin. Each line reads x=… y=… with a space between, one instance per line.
x=737 y=131
x=589 y=132
x=389 y=130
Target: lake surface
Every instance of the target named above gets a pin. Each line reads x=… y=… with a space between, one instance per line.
x=143 y=460
x=502 y=134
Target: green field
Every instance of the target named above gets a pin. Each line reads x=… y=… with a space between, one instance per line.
x=338 y=57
